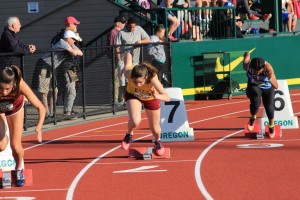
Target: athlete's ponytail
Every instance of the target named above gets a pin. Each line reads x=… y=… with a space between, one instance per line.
x=11 y=75
x=145 y=70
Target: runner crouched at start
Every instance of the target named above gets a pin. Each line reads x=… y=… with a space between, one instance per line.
x=13 y=91
x=143 y=88
x=261 y=84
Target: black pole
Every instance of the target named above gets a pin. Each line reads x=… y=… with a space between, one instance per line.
x=25 y=109
x=114 y=99
x=83 y=85
x=53 y=87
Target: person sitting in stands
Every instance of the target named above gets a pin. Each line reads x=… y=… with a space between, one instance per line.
x=243 y=9
x=289 y=18
x=239 y=21
x=174 y=22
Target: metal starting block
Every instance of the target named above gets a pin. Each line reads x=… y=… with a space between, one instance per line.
x=7 y=179
x=147 y=153
x=256 y=133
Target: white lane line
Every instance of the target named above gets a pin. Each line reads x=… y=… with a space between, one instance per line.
x=111 y=125
x=217 y=105
x=143 y=162
x=202 y=120
x=18 y=198
x=111 y=135
x=198 y=166
x=71 y=193
x=75 y=134
x=82 y=172
x=255 y=141
x=201 y=157
x=77 y=178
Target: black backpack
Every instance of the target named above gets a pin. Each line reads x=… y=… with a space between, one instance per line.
x=57 y=37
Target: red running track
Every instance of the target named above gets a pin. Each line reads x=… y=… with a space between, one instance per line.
x=85 y=161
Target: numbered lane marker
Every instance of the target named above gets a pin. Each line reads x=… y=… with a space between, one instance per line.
x=7 y=161
x=174 y=122
x=284 y=115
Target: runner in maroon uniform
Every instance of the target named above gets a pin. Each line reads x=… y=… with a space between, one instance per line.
x=13 y=89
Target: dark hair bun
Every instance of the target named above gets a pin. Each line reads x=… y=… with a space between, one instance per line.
x=257 y=63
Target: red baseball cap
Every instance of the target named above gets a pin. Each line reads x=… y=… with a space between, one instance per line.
x=72 y=20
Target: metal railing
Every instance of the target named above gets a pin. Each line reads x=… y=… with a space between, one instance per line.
x=96 y=93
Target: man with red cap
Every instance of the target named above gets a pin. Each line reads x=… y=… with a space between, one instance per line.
x=70 y=20
x=71 y=24
x=70 y=28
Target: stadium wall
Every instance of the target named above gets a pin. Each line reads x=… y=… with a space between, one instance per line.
x=187 y=60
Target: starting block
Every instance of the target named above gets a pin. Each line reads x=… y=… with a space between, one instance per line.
x=278 y=131
x=147 y=153
x=7 y=178
x=258 y=133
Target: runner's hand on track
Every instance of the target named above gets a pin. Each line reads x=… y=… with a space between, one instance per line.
x=39 y=134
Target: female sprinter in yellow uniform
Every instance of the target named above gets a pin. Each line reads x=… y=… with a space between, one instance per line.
x=143 y=88
x=13 y=89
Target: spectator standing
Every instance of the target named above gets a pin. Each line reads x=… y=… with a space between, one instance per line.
x=67 y=70
x=221 y=22
x=9 y=42
x=131 y=34
x=42 y=82
x=119 y=24
x=157 y=51
x=206 y=13
x=296 y=6
x=196 y=21
x=71 y=23
x=197 y=4
x=42 y=77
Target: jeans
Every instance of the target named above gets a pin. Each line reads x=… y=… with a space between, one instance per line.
x=69 y=94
